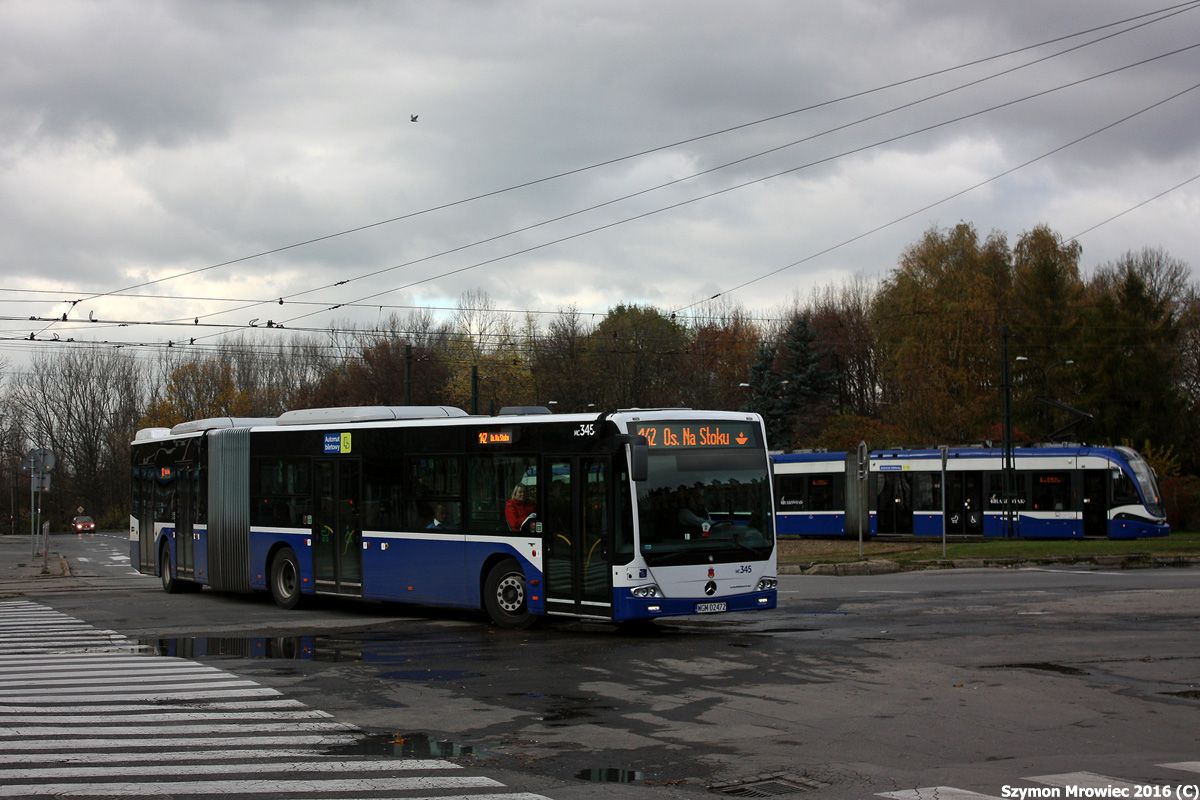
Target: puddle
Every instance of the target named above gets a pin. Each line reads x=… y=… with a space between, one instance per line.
x=404 y=745
x=305 y=648
x=344 y=648
x=428 y=675
x=609 y=775
x=1044 y=666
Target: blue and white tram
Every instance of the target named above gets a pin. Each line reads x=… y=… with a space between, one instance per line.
x=1059 y=491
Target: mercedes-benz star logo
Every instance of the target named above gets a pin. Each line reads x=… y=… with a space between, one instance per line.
x=710 y=588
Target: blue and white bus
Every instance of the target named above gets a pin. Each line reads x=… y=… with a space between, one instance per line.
x=1059 y=491
x=629 y=515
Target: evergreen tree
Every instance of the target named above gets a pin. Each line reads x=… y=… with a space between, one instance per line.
x=790 y=386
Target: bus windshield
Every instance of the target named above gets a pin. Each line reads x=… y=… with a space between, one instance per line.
x=704 y=503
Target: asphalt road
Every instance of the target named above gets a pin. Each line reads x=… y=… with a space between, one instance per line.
x=914 y=684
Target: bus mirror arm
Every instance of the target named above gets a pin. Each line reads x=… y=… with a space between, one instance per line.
x=639 y=455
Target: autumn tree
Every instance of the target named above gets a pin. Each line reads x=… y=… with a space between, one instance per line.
x=636 y=351
x=198 y=389
x=560 y=365
x=937 y=318
x=1048 y=308
x=841 y=317
x=722 y=342
x=1130 y=368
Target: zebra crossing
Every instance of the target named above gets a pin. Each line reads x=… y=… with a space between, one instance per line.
x=84 y=713
x=1072 y=784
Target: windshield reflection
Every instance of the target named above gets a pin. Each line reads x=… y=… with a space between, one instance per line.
x=705 y=507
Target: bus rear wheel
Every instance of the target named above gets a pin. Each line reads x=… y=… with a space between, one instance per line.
x=504 y=596
x=169 y=583
x=285 y=579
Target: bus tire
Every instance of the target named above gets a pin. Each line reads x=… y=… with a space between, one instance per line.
x=169 y=583
x=285 y=579
x=505 y=596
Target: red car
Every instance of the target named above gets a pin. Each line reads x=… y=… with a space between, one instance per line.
x=83 y=525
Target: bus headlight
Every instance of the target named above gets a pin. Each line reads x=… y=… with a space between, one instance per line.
x=766 y=584
x=646 y=591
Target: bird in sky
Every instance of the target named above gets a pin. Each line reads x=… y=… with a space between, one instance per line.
x=413 y=118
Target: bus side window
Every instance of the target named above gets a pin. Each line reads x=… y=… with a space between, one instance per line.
x=493 y=486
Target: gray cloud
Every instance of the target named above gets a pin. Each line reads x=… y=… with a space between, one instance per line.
x=144 y=139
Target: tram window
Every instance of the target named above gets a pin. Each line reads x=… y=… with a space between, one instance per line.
x=1124 y=490
x=928 y=491
x=789 y=489
x=1051 y=491
x=995 y=501
x=820 y=493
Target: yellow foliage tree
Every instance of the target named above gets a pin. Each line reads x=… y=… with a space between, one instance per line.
x=198 y=390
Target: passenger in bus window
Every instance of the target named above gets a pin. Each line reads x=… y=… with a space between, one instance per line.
x=441 y=518
x=520 y=507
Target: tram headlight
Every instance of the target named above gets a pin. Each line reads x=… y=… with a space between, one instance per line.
x=650 y=590
x=767 y=584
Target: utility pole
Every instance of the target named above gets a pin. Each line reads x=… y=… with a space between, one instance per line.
x=1009 y=478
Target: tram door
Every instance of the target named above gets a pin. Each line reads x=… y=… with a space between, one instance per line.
x=894 y=503
x=964 y=503
x=337 y=526
x=1095 y=503
x=577 y=503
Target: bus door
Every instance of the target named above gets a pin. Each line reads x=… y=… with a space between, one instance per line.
x=337 y=526
x=185 y=500
x=964 y=503
x=575 y=533
x=1095 y=502
x=143 y=509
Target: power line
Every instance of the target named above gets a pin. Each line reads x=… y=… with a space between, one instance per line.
x=1158 y=15
x=952 y=196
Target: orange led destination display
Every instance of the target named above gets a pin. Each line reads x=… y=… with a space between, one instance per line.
x=496 y=437
x=699 y=434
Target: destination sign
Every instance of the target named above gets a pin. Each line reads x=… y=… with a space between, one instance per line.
x=496 y=437
x=699 y=434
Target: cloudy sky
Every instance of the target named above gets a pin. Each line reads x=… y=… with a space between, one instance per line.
x=556 y=154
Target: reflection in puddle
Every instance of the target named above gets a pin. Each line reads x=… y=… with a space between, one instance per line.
x=609 y=775
x=284 y=647
x=403 y=745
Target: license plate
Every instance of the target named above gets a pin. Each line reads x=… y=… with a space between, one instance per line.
x=710 y=608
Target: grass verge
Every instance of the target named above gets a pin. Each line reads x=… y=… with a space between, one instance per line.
x=907 y=551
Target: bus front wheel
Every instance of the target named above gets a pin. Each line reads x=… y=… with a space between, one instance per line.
x=285 y=579
x=504 y=596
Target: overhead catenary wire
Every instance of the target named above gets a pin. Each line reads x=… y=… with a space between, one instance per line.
x=1147 y=18
x=226 y=328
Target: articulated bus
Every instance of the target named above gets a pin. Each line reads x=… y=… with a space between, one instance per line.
x=1061 y=491
x=620 y=516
